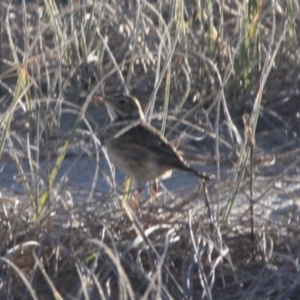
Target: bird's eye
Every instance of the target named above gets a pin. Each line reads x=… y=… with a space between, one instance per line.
x=121 y=102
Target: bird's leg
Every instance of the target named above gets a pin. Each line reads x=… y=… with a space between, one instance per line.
x=134 y=201
x=154 y=190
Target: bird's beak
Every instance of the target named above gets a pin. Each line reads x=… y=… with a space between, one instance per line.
x=104 y=100
x=99 y=98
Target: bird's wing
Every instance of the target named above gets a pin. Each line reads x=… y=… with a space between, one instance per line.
x=146 y=136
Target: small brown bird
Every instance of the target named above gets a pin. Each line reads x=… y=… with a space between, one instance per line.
x=137 y=148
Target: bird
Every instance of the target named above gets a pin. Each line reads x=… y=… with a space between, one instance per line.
x=136 y=147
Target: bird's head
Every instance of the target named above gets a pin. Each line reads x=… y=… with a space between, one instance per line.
x=122 y=107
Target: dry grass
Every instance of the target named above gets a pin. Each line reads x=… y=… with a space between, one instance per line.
x=197 y=68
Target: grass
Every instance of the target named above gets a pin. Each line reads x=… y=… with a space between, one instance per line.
x=197 y=68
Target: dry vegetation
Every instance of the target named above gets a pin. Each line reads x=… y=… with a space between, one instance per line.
x=197 y=67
